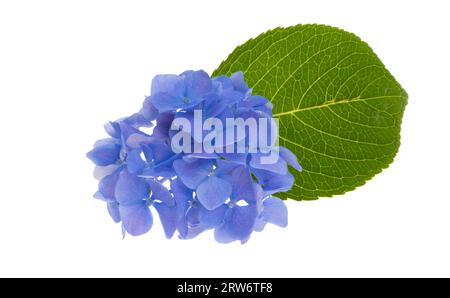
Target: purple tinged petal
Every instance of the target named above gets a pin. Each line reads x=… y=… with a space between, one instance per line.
x=127 y=130
x=124 y=232
x=192 y=173
x=290 y=158
x=107 y=186
x=238 y=81
x=198 y=84
x=113 y=210
x=105 y=154
x=254 y=101
x=136 y=218
x=225 y=168
x=160 y=152
x=275 y=212
x=279 y=166
x=213 y=192
x=130 y=189
x=136 y=140
x=194 y=156
x=258 y=194
x=167 y=163
x=193 y=216
x=266 y=109
x=238 y=225
x=113 y=129
x=272 y=182
x=101 y=172
x=169 y=218
x=161 y=193
x=168 y=84
x=224 y=82
x=232 y=97
x=260 y=224
x=239 y=158
x=165 y=102
x=148 y=152
x=212 y=218
x=163 y=123
x=213 y=105
x=242 y=183
x=138 y=120
x=134 y=161
x=148 y=110
x=183 y=197
x=192 y=223
x=98 y=195
x=152 y=172
x=105 y=142
x=181 y=193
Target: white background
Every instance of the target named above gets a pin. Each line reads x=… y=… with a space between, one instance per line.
x=67 y=67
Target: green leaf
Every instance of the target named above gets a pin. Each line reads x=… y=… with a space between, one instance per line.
x=339 y=109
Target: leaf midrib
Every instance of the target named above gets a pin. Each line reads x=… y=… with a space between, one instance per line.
x=333 y=103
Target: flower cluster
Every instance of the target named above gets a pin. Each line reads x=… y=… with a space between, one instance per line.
x=229 y=192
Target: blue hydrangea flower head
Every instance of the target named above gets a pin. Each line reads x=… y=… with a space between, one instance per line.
x=229 y=190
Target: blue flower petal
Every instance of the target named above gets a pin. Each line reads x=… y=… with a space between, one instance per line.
x=213 y=192
x=169 y=218
x=225 y=168
x=127 y=130
x=183 y=197
x=272 y=182
x=239 y=158
x=203 y=155
x=148 y=110
x=105 y=154
x=266 y=136
x=113 y=129
x=164 y=172
x=135 y=164
x=290 y=158
x=260 y=224
x=161 y=193
x=107 y=186
x=137 y=140
x=212 y=218
x=181 y=193
x=213 y=105
x=254 y=101
x=279 y=166
x=160 y=152
x=242 y=183
x=238 y=225
x=275 y=212
x=238 y=81
x=136 y=218
x=138 y=120
x=194 y=227
x=198 y=84
x=232 y=97
x=130 y=189
x=224 y=83
x=192 y=173
x=113 y=210
x=163 y=123
x=165 y=102
x=172 y=85
x=101 y=172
